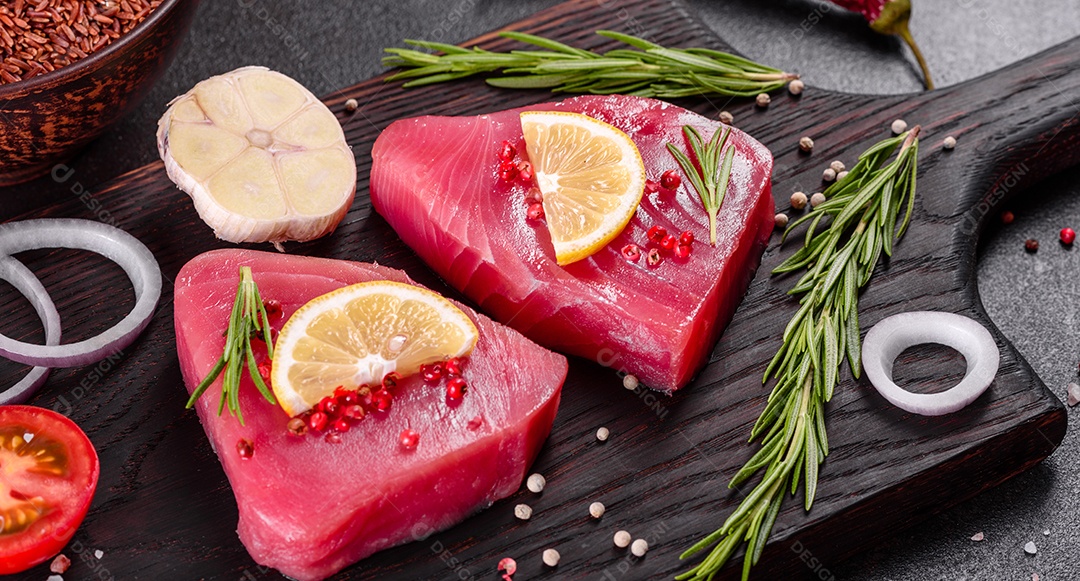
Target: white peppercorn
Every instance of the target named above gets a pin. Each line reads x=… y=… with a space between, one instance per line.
x=536 y=483
x=596 y=509
x=551 y=557
x=798 y=200
x=523 y=511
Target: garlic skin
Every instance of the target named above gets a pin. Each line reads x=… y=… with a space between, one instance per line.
x=286 y=160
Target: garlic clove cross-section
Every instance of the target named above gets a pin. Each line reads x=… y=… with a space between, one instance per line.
x=261 y=157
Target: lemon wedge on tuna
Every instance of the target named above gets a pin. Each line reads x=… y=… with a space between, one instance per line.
x=591 y=176
x=355 y=335
x=262 y=158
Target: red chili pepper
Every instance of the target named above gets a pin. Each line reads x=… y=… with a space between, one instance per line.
x=890 y=17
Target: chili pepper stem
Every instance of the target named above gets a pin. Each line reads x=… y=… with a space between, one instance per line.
x=904 y=33
x=894 y=19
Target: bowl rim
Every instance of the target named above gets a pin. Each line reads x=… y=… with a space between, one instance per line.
x=93 y=59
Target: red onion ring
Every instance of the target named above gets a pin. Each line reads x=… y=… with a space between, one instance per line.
x=25 y=282
x=112 y=243
x=893 y=334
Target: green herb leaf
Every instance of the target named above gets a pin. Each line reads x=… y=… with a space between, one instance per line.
x=709 y=177
x=862 y=212
x=657 y=71
x=247 y=319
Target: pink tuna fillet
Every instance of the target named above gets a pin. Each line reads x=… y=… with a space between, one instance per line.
x=435 y=181
x=368 y=493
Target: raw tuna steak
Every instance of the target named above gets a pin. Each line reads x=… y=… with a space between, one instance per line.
x=435 y=180
x=365 y=493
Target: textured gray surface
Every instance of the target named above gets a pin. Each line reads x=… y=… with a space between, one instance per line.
x=334 y=43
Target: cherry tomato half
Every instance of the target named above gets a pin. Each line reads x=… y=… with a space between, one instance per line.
x=48 y=473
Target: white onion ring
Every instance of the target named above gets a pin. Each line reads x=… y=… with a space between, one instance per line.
x=25 y=282
x=892 y=335
x=112 y=243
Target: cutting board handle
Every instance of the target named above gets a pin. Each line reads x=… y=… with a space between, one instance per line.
x=1014 y=127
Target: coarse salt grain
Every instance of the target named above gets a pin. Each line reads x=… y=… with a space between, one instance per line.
x=1030 y=549
x=60 y=564
x=899 y=126
x=622 y=539
x=979 y=536
x=99 y=553
x=54 y=578
x=551 y=557
x=1072 y=393
x=536 y=483
x=523 y=511
x=596 y=509
x=602 y=434
x=630 y=382
x=639 y=547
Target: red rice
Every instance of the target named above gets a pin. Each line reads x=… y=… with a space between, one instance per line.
x=38 y=36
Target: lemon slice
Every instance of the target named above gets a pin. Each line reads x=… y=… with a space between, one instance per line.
x=261 y=157
x=356 y=335
x=591 y=176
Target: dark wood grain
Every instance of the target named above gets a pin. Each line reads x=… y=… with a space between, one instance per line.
x=164 y=509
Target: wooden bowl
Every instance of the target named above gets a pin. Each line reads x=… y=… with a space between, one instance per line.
x=47 y=119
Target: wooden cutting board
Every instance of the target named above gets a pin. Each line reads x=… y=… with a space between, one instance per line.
x=164 y=509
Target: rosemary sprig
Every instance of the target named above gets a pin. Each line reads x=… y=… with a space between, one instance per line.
x=248 y=319
x=839 y=259
x=646 y=69
x=711 y=180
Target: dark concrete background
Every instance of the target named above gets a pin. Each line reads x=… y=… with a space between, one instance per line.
x=1033 y=298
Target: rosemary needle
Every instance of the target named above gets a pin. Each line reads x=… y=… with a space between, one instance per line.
x=247 y=319
x=711 y=180
x=863 y=209
x=645 y=69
